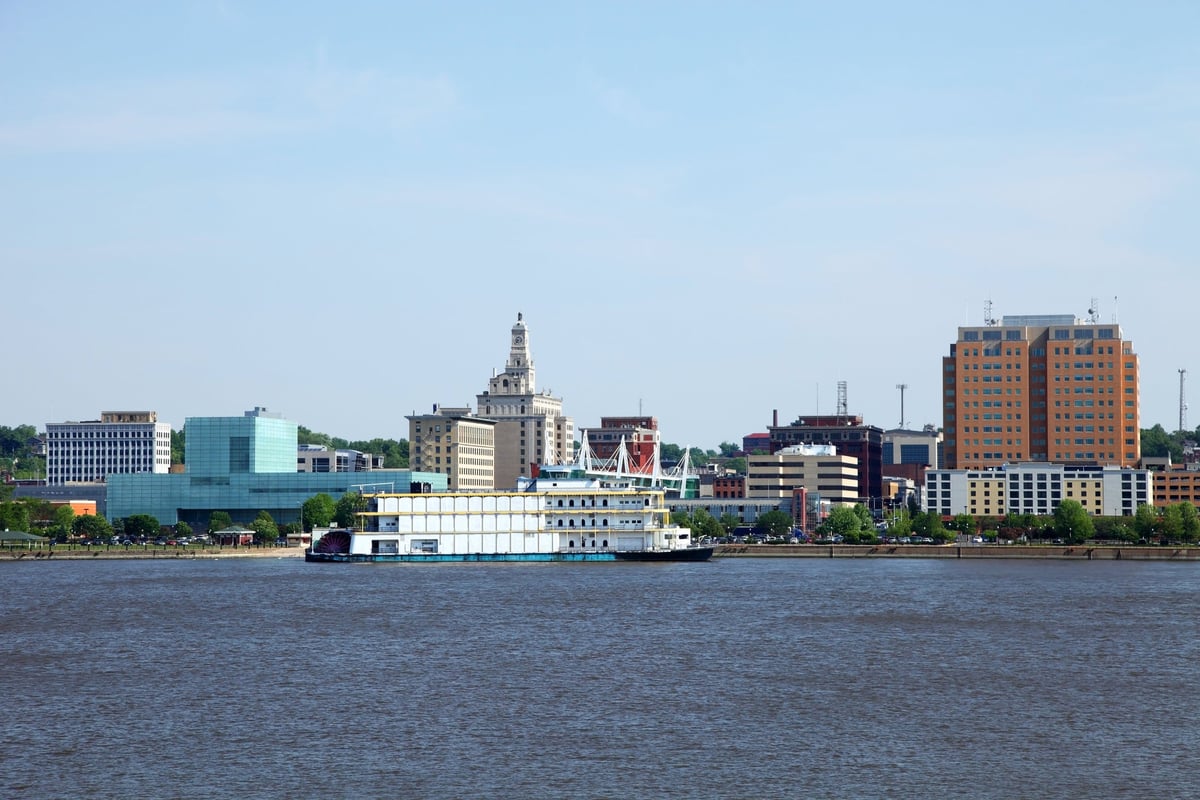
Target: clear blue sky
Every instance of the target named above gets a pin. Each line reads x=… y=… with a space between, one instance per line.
x=712 y=210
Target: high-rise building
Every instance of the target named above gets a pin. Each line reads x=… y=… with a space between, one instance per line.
x=120 y=442
x=1040 y=389
x=530 y=426
x=456 y=443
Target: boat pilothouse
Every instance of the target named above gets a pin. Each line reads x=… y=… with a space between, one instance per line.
x=557 y=516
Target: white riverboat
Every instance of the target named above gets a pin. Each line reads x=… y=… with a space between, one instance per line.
x=562 y=515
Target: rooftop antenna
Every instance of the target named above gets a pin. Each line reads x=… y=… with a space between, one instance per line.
x=988 y=319
x=1114 y=309
x=901 y=387
x=1094 y=312
x=843 y=410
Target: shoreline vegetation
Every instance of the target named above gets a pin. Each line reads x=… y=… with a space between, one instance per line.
x=956 y=551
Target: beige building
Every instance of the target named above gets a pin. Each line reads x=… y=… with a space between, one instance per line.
x=530 y=426
x=1037 y=489
x=456 y=443
x=817 y=469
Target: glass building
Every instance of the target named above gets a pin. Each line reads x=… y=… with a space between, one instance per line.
x=244 y=465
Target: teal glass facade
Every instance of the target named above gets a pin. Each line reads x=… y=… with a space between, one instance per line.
x=193 y=498
x=244 y=465
x=252 y=444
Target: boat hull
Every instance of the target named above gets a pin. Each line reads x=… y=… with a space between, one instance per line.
x=682 y=554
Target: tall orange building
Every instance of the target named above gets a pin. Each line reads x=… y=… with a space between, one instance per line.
x=1040 y=388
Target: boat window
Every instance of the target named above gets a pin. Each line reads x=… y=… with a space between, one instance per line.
x=571 y=543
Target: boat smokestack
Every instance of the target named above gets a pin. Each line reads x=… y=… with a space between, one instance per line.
x=775 y=417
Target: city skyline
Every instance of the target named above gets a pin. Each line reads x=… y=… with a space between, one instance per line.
x=705 y=214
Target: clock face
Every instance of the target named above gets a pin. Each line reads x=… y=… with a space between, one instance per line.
x=519 y=339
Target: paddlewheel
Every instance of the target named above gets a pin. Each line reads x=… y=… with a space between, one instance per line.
x=334 y=542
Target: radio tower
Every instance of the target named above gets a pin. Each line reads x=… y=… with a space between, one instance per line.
x=843 y=408
x=1182 y=402
x=901 y=387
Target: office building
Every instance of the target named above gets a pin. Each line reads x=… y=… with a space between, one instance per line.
x=456 y=443
x=1041 y=389
x=849 y=435
x=120 y=442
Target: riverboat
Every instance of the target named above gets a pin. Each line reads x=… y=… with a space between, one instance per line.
x=562 y=515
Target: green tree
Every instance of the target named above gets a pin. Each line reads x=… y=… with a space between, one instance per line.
x=928 y=525
x=182 y=529
x=900 y=522
x=728 y=449
x=91 y=526
x=265 y=530
x=141 y=526
x=962 y=523
x=864 y=517
x=1191 y=522
x=843 y=521
x=318 y=511
x=347 y=509
x=178 y=445
x=1157 y=443
x=1072 y=523
x=1145 y=522
x=774 y=523
x=64 y=515
x=1170 y=523
x=14 y=516
x=729 y=522
x=219 y=521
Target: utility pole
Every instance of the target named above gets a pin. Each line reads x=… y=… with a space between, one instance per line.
x=901 y=387
x=1182 y=402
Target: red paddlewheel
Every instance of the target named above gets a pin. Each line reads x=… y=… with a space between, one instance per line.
x=334 y=542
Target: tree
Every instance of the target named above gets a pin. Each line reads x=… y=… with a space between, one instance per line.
x=1072 y=523
x=729 y=522
x=90 y=526
x=182 y=529
x=864 y=516
x=318 y=511
x=63 y=517
x=265 y=530
x=962 y=523
x=141 y=526
x=775 y=524
x=219 y=521
x=14 y=516
x=347 y=509
x=1145 y=522
x=1191 y=522
x=728 y=449
x=900 y=523
x=178 y=446
x=1170 y=523
x=843 y=521
x=929 y=525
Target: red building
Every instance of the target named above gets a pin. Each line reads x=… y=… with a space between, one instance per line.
x=729 y=486
x=637 y=432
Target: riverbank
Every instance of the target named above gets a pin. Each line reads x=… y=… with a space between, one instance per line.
x=1069 y=552
x=148 y=554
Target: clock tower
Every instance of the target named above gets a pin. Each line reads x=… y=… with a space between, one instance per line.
x=530 y=427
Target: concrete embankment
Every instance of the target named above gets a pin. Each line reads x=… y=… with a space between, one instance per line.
x=1069 y=552
x=133 y=553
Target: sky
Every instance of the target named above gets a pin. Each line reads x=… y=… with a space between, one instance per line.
x=706 y=212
